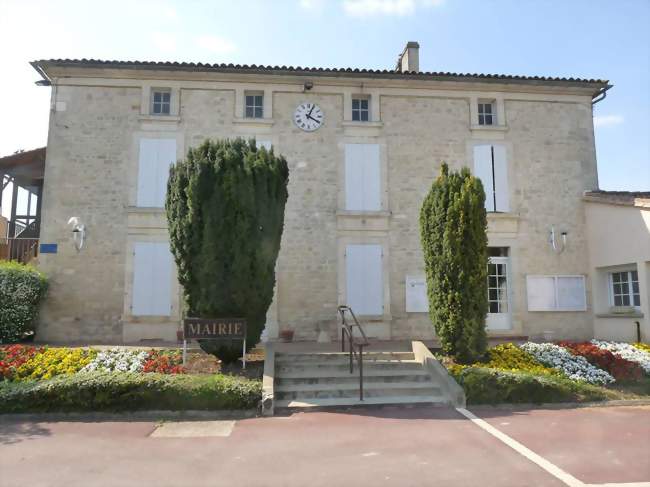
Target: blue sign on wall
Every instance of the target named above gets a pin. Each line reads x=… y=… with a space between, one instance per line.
x=48 y=248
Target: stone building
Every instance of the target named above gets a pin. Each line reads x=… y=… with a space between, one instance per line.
x=363 y=148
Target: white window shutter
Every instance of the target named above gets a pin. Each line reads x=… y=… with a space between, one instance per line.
x=371 y=178
x=156 y=155
x=483 y=170
x=541 y=293
x=501 y=179
x=147 y=165
x=571 y=295
x=354 y=155
x=152 y=279
x=264 y=143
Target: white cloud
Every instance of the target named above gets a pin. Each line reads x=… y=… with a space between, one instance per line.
x=164 y=41
x=170 y=13
x=608 y=120
x=215 y=44
x=366 y=8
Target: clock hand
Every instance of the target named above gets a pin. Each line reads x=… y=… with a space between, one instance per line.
x=312 y=109
x=312 y=118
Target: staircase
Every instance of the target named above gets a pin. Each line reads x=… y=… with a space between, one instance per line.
x=319 y=379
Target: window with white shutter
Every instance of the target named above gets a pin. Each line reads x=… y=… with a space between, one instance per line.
x=556 y=293
x=491 y=167
x=155 y=157
x=152 y=279
x=362 y=177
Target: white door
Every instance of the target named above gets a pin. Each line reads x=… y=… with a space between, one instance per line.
x=364 y=279
x=152 y=279
x=498 y=317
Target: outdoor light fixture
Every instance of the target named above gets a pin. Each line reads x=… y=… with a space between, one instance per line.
x=558 y=249
x=308 y=85
x=78 y=232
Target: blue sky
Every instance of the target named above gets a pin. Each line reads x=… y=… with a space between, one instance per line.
x=590 y=38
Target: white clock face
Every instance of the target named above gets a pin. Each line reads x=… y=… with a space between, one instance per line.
x=308 y=117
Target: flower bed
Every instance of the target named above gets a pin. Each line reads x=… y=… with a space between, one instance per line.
x=644 y=347
x=118 y=360
x=49 y=362
x=509 y=357
x=164 y=362
x=627 y=351
x=573 y=366
x=617 y=366
x=12 y=357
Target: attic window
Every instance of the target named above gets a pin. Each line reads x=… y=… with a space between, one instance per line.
x=487 y=112
x=161 y=101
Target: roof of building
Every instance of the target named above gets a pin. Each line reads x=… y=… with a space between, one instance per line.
x=24 y=165
x=626 y=198
x=42 y=65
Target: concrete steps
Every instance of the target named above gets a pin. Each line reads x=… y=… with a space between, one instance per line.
x=321 y=380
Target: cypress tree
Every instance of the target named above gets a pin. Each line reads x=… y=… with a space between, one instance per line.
x=225 y=212
x=453 y=232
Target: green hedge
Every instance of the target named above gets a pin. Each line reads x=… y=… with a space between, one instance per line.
x=491 y=386
x=110 y=391
x=22 y=287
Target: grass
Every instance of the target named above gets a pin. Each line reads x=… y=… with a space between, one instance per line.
x=109 y=391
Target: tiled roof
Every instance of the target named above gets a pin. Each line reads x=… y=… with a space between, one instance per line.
x=253 y=68
x=628 y=198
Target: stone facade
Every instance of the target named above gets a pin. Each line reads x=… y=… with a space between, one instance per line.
x=99 y=114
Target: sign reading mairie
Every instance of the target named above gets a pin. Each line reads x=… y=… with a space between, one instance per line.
x=214 y=328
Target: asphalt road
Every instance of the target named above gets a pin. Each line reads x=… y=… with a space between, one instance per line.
x=398 y=447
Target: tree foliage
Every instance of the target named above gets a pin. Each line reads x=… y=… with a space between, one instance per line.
x=453 y=231
x=225 y=210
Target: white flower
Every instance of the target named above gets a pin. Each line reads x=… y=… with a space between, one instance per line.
x=626 y=351
x=118 y=360
x=574 y=367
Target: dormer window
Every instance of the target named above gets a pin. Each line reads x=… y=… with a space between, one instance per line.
x=360 y=109
x=487 y=113
x=254 y=105
x=161 y=101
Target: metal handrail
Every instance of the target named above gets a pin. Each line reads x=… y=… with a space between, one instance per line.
x=355 y=343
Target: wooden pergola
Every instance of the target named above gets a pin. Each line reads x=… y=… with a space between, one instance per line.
x=24 y=170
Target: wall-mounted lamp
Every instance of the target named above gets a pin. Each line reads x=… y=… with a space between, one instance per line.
x=78 y=232
x=308 y=85
x=557 y=248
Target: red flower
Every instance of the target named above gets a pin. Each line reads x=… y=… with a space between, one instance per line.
x=617 y=366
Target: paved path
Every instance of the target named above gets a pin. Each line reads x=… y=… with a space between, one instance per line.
x=389 y=447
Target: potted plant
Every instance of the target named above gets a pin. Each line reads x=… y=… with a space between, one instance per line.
x=286 y=335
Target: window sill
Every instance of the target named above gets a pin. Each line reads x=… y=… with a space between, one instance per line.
x=159 y=118
x=364 y=214
x=634 y=314
x=254 y=121
x=370 y=124
x=489 y=128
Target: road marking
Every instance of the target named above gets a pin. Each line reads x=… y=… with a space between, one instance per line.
x=193 y=429
x=541 y=462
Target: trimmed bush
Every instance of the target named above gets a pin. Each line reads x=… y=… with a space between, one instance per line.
x=453 y=231
x=109 y=391
x=490 y=386
x=22 y=287
x=225 y=209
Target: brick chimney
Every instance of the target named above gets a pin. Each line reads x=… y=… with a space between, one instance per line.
x=409 y=60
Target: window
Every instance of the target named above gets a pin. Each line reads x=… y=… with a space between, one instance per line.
x=362 y=177
x=624 y=288
x=556 y=293
x=156 y=155
x=491 y=167
x=360 y=109
x=254 y=105
x=497 y=285
x=487 y=112
x=161 y=101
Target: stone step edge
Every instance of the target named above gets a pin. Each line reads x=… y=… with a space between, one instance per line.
x=370 y=386
x=333 y=374
x=385 y=400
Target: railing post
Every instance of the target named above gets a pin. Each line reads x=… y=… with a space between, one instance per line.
x=361 y=372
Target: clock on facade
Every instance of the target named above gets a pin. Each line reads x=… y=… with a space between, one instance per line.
x=308 y=117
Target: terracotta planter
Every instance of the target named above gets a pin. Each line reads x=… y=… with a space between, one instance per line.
x=286 y=335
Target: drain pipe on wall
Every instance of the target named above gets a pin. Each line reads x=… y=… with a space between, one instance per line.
x=638 y=331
